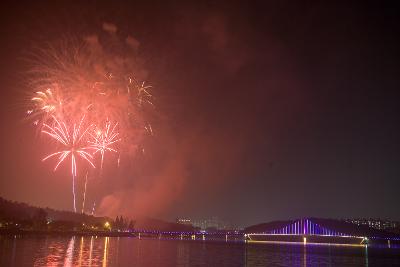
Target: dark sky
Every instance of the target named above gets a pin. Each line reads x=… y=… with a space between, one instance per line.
x=267 y=111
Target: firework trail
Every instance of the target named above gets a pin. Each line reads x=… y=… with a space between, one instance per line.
x=94 y=206
x=84 y=194
x=73 y=142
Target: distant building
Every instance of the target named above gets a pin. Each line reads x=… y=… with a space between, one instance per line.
x=213 y=223
x=204 y=224
x=210 y=224
x=375 y=223
x=184 y=221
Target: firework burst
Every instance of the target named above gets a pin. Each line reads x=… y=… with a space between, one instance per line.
x=46 y=103
x=74 y=144
x=90 y=96
x=104 y=140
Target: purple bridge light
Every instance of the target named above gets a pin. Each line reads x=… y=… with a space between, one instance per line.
x=304 y=227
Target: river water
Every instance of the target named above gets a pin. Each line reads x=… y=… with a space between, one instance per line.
x=125 y=251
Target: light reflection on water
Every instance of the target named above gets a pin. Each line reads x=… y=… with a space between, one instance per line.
x=124 y=251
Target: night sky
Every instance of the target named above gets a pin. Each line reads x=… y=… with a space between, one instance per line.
x=265 y=111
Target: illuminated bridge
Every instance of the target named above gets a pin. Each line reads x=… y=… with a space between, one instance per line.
x=317 y=231
x=307 y=230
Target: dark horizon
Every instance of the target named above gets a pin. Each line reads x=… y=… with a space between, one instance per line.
x=24 y=215
x=265 y=111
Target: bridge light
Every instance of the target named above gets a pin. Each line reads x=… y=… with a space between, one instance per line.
x=304 y=240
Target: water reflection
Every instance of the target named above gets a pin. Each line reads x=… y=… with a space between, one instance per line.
x=13 y=250
x=81 y=251
x=182 y=255
x=90 y=251
x=70 y=253
x=114 y=251
x=105 y=251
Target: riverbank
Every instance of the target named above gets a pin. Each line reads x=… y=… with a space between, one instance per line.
x=66 y=233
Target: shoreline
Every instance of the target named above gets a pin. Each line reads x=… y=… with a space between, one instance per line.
x=67 y=233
